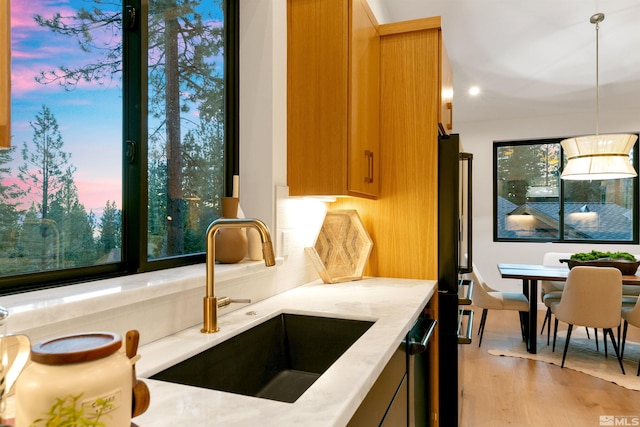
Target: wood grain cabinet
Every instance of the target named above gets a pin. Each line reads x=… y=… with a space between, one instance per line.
x=333 y=98
x=412 y=60
x=423 y=38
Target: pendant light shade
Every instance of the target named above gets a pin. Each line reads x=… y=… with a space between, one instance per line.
x=598 y=156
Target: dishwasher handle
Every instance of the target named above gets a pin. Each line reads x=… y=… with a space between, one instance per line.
x=415 y=346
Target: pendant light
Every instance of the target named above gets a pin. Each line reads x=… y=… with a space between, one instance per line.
x=598 y=156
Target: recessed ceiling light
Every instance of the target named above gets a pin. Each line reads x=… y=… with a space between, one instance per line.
x=474 y=90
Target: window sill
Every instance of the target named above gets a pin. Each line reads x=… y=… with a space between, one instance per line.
x=156 y=303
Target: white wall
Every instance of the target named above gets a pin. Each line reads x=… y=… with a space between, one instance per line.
x=263 y=137
x=478 y=137
x=263 y=103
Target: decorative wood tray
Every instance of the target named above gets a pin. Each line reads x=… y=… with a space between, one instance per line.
x=342 y=247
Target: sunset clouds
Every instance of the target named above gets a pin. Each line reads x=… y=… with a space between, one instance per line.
x=89 y=116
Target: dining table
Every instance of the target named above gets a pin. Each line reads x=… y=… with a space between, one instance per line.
x=530 y=274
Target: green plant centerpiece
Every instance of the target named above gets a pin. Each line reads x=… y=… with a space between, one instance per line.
x=597 y=255
x=623 y=261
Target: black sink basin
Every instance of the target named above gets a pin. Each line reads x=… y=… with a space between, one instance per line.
x=278 y=359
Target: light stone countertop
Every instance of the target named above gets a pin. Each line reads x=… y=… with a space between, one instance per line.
x=394 y=305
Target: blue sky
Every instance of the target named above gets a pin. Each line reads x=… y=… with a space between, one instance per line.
x=89 y=117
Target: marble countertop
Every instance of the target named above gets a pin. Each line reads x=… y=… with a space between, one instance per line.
x=394 y=305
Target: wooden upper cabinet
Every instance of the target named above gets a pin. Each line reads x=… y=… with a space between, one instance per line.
x=333 y=98
x=364 y=111
x=410 y=36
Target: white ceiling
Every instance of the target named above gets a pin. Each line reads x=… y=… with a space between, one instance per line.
x=534 y=58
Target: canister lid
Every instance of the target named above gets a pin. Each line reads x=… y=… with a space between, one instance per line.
x=76 y=348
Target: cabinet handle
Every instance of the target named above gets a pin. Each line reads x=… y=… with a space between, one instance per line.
x=366 y=159
x=368 y=156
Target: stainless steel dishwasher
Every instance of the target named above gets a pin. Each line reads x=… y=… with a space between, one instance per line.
x=418 y=371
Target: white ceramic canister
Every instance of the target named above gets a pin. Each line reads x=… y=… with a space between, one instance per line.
x=82 y=375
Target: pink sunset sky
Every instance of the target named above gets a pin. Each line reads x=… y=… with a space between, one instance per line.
x=89 y=117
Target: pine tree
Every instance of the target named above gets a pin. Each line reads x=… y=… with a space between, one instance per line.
x=183 y=75
x=110 y=232
x=46 y=169
x=10 y=211
x=77 y=244
x=45 y=164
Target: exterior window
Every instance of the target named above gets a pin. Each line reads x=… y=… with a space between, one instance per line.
x=120 y=137
x=532 y=203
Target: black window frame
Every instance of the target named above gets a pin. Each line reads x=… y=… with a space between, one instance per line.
x=134 y=205
x=561 y=225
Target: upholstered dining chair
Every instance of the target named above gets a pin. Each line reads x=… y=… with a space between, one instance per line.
x=551 y=259
x=549 y=299
x=592 y=297
x=487 y=298
x=630 y=314
x=551 y=291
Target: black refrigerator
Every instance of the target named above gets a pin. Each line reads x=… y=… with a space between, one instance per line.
x=454 y=259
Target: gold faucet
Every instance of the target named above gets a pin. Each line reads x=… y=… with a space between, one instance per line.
x=210 y=300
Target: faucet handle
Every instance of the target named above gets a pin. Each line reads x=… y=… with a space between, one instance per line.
x=224 y=301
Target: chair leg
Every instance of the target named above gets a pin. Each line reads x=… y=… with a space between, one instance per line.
x=547 y=322
x=483 y=319
x=555 y=333
x=604 y=340
x=484 y=315
x=615 y=346
x=587 y=329
x=624 y=338
x=547 y=317
x=595 y=332
x=566 y=344
x=522 y=315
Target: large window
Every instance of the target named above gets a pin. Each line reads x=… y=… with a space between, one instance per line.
x=123 y=136
x=532 y=203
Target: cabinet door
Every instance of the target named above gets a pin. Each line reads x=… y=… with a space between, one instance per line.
x=364 y=107
x=317 y=97
x=385 y=390
x=397 y=415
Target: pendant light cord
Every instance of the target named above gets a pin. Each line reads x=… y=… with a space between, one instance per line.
x=597 y=19
x=597 y=80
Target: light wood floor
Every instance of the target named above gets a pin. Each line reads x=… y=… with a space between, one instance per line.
x=509 y=391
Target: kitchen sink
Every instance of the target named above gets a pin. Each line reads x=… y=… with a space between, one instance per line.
x=278 y=359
